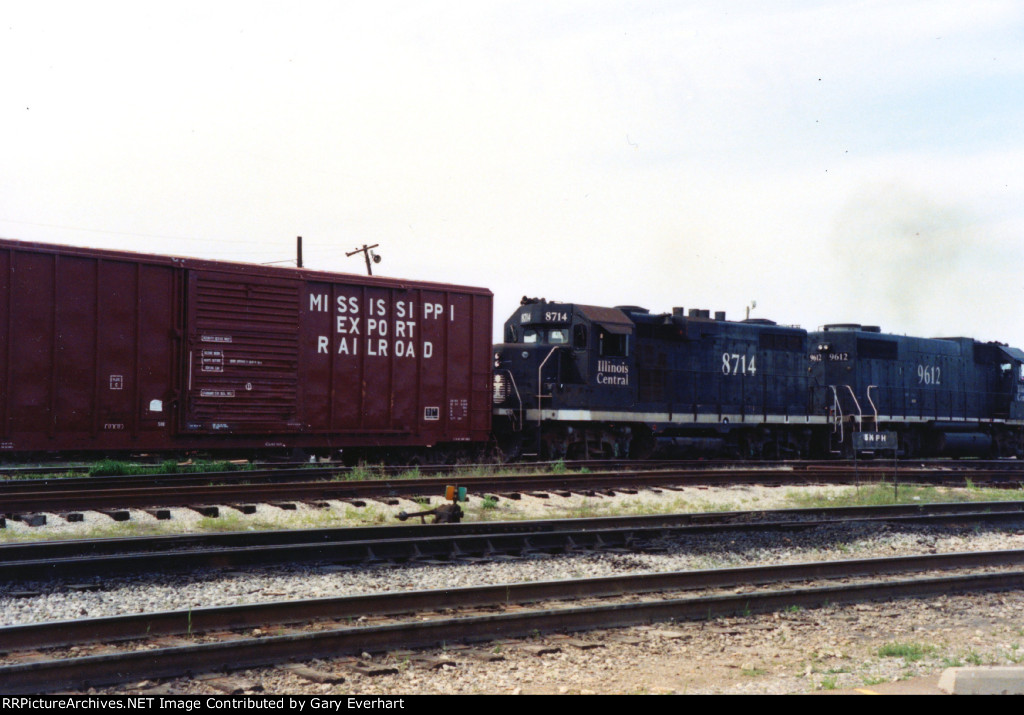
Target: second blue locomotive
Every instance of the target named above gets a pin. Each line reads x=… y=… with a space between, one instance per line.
x=577 y=381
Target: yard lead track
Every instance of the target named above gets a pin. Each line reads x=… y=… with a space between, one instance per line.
x=83 y=558
x=233 y=653
x=72 y=495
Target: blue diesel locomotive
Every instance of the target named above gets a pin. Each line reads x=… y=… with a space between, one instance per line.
x=577 y=381
x=942 y=396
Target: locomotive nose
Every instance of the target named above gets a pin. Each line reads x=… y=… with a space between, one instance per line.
x=516 y=369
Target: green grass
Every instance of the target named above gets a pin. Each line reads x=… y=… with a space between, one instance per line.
x=118 y=468
x=374 y=472
x=10 y=476
x=874 y=679
x=113 y=530
x=882 y=495
x=910 y=652
x=974 y=658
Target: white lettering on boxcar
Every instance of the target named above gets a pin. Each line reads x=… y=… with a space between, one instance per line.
x=349 y=304
x=389 y=327
x=380 y=350
x=318 y=302
x=351 y=326
x=343 y=347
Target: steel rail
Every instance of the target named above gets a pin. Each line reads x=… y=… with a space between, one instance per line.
x=21 y=564
x=14 y=551
x=52 y=634
x=51 y=500
x=306 y=472
x=130 y=666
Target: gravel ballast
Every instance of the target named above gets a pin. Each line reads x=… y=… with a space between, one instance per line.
x=820 y=649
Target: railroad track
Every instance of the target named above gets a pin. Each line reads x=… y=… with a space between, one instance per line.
x=207 y=639
x=76 y=559
x=74 y=495
x=24 y=479
x=13 y=479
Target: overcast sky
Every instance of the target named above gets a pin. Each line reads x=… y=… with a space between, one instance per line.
x=844 y=161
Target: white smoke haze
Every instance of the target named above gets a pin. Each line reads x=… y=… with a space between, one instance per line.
x=924 y=265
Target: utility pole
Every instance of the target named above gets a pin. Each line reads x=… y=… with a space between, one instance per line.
x=368 y=253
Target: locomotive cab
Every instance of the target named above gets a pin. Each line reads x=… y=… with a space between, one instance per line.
x=1010 y=391
x=569 y=364
x=581 y=381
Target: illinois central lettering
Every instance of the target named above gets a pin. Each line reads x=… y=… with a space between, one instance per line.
x=612 y=373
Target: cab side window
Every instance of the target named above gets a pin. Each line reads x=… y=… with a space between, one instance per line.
x=579 y=337
x=612 y=345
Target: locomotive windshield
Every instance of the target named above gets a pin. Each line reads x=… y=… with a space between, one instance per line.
x=555 y=336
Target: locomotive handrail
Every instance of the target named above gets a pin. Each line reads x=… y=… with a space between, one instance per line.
x=860 y=413
x=540 y=395
x=519 y=398
x=838 y=423
x=873 y=407
x=540 y=388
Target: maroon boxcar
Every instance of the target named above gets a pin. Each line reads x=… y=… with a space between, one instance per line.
x=122 y=352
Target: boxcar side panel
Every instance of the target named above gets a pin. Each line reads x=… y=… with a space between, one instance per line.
x=6 y=333
x=117 y=317
x=87 y=358
x=30 y=385
x=75 y=367
x=243 y=354
x=377 y=387
x=159 y=347
x=393 y=364
x=103 y=350
x=482 y=366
